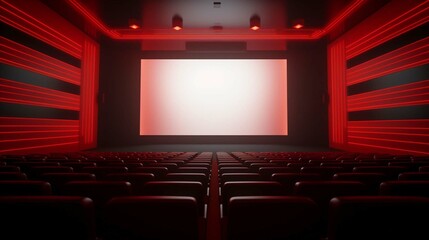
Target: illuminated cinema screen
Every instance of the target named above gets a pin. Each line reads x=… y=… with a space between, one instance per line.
x=213 y=97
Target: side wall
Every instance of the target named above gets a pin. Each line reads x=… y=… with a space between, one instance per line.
x=48 y=81
x=378 y=80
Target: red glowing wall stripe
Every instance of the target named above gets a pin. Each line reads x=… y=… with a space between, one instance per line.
x=410 y=134
x=386 y=147
x=8 y=124
x=89 y=16
x=337 y=92
x=34 y=134
x=412 y=55
x=40 y=145
x=391 y=137
x=403 y=95
x=21 y=56
x=402 y=16
x=36 y=19
x=378 y=142
x=406 y=127
x=89 y=90
x=405 y=136
x=392 y=124
x=16 y=92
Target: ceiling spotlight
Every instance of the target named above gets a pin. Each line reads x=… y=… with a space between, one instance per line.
x=255 y=22
x=298 y=23
x=177 y=23
x=133 y=23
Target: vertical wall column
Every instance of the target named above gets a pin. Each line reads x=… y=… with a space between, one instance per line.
x=89 y=95
x=337 y=92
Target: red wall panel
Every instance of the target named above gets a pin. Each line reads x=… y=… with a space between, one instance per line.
x=22 y=93
x=412 y=55
x=395 y=18
x=36 y=19
x=406 y=136
x=398 y=96
x=35 y=135
x=17 y=55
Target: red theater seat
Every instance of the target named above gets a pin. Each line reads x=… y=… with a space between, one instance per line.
x=249 y=188
x=47 y=218
x=391 y=172
x=267 y=172
x=169 y=166
x=405 y=188
x=272 y=217
x=325 y=172
x=256 y=166
x=10 y=169
x=371 y=180
x=378 y=217
x=199 y=177
x=237 y=164
x=159 y=172
x=196 y=164
x=323 y=191
x=101 y=172
x=36 y=172
x=99 y=191
x=231 y=177
x=151 y=217
x=411 y=166
x=25 y=187
x=12 y=176
x=223 y=170
x=204 y=170
x=137 y=180
x=413 y=176
x=58 y=180
x=78 y=166
x=288 y=180
x=176 y=188
x=424 y=169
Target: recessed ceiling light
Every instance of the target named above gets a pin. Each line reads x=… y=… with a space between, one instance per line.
x=217 y=4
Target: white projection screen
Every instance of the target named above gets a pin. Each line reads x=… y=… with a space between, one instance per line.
x=213 y=97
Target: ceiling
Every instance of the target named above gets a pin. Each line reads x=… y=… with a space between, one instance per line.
x=227 y=13
x=204 y=14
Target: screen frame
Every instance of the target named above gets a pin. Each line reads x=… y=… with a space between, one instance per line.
x=254 y=55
